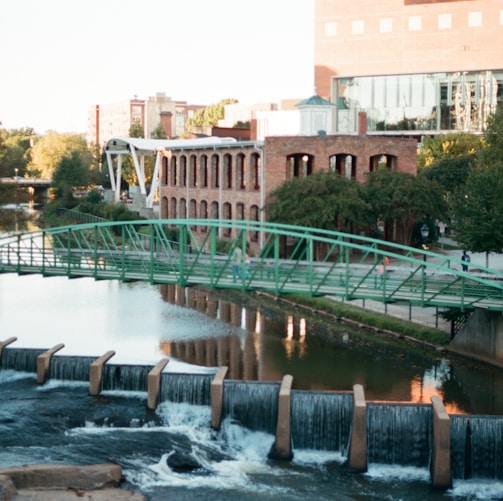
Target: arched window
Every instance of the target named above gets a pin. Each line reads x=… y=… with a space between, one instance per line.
x=165 y=169
x=215 y=171
x=241 y=172
x=214 y=214
x=255 y=171
x=172 y=208
x=203 y=171
x=227 y=214
x=203 y=214
x=299 y=165
x=174 y=173
x=227 y=171
x=383 y=160
x=344 y=164
x=183 y=208
x=164 y=208
x=254 y=216
x=240 y=211
x=193 y=171
x=183 y=170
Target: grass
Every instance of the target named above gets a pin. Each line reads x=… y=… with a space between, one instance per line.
x=370 y=319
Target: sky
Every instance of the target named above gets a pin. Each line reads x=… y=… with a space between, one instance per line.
x=62 y=57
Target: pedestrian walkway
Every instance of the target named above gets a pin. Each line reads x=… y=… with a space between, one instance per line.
x=430 y=316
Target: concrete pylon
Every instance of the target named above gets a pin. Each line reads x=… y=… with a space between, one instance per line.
x=5 y=343
x=440 y=467
x=43 y=362
x=217 y=397
x=154 y=383
x=96 y=373
x=282 y=447
x=357 y=457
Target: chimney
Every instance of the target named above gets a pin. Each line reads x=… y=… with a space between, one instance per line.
x=362 y=123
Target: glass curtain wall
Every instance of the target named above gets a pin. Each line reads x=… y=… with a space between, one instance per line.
x=422 y=102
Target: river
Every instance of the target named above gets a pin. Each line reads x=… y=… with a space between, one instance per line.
x=257 y=339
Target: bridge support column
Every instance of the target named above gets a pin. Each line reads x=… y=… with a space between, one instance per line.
x=440 y=467
x=481 y=336
x=43 y=362
x=357 y=456
x=282 y=447
x=5 y=343
x=96 y=373
x=154 y=384
x=217 y=397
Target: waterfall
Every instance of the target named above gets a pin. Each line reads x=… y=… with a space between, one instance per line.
x=125 y=377
x=399 y=434
x=20 y=359
x=321 y=420
x=459 y=444
x=253 y=404
x=70 y=368
x=192 y=389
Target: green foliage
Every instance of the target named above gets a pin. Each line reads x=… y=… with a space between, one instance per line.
x=71 y=171
x=450 y=172
x=400 y=198
x=136 y=130
x=322 y=200
x=447 y=145
x=477 y=210
x=493 y=137
x=159 y=133
x=209 y=116
x=51 y=148
x=15 y=151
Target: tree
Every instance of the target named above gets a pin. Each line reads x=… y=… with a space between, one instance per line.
x=159 y=133
x=401 y=199
x=449 y=145
x=322 y=200
x=51 y=148
x=209 y=116
x=72 y=172
x=136 y=130
x=493 y=138
x=15 y=151
x=450 y=172
x=477 y=210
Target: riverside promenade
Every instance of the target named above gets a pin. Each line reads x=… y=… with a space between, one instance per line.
x=429 y=316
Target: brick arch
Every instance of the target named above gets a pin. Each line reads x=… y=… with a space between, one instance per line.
x=203 y=171
x=384 y=160
x=299 y=165
x=227 y=171
x=192 y=171
x=164 y=208
x=183 y=208
x=344 y=164
x=173 y=208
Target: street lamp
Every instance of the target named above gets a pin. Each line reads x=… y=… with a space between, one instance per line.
x=425 y=232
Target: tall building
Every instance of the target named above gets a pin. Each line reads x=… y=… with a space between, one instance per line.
x=414 y=66
x=115 y=119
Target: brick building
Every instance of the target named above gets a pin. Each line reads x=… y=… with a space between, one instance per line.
x=231 y=180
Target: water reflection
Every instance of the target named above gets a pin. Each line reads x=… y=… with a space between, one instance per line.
x=326 y=355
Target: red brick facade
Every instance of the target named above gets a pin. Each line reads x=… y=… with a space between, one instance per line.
x=232 y=181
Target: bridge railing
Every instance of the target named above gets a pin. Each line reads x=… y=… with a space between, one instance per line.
x=291 y=259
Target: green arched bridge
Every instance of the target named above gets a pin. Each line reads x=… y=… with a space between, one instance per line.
x=318 y=263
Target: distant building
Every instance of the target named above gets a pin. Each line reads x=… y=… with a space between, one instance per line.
x=415 y=67
x=115 y=119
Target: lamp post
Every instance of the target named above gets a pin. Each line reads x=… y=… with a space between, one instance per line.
x=425 y=232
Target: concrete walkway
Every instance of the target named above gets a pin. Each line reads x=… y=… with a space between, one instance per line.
x=429 y=316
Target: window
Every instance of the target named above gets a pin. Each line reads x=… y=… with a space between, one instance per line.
x=444 y=21
x=358 y=27
x=386 y=25
x=330 y=29
x=415 y=23
x=474 y=19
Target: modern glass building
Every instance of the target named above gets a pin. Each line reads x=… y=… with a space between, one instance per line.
x=414 y=66
x=432 y=102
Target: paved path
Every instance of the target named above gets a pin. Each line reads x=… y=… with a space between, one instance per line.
x=428 y=316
